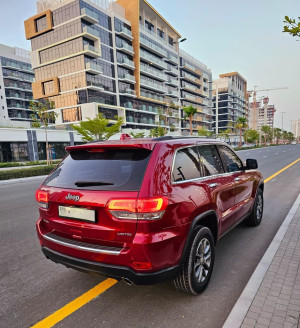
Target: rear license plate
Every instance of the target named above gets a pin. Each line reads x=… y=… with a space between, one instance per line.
x=77 y=213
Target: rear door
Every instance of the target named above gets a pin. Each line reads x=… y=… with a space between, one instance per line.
x=244 y=181
x=81 y=186
x=219 y=185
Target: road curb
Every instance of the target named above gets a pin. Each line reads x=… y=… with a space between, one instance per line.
x=242 y=305
x=21 y=180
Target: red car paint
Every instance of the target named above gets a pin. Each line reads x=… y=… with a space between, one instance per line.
x=146 y=246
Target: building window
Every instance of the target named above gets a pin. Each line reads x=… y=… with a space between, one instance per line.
x=171 y=40
x=71 y=114
x=108 y=113
x=160 y=33
x=149 y=26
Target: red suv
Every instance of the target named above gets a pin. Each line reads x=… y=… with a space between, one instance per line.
x=147 y=210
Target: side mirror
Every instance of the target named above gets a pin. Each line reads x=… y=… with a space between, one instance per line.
x=251 y=164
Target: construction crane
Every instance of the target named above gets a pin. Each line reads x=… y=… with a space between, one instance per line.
x=254 y=113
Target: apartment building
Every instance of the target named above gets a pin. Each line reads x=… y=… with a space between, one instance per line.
x=230 y=100
x=16 y=76
x=266 y=113
x=119 y=58
x=296 y=129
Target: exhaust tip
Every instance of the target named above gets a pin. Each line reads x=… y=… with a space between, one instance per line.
x=128 y=282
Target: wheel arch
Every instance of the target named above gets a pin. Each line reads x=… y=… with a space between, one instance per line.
x=207 y=219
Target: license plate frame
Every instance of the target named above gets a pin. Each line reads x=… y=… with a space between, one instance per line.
x=76 y=213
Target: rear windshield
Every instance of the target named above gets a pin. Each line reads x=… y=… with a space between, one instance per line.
x=106 y=169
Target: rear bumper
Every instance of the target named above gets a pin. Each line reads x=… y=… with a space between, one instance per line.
x=113 y=271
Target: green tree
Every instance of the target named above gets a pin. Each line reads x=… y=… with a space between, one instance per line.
x=251 y=136
x=203 y=132
x=266 y=130
x=290 y=136
x=98 y=128
x=292 y=27
x=277 y=134
x=241 y=125
x=43 y=114
x=190 y=111
x=159 y=131
x=137 y=135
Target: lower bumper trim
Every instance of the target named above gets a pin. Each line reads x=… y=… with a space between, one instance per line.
x=113 y=271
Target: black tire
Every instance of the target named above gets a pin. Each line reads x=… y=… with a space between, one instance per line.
x=257 y=211
x=198 y=266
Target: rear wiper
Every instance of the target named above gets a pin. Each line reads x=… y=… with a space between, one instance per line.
x=92 y=183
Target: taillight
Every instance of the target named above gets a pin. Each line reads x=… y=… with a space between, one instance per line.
x=138 y=209
x=43 y=198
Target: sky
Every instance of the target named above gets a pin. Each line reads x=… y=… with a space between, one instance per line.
x=227 y=36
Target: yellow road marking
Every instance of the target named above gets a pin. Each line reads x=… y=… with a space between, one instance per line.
x=80 y=301
x=280 y=171
x=73 y=306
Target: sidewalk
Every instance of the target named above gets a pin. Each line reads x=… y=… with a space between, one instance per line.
x=19 y=167
x=272 y=295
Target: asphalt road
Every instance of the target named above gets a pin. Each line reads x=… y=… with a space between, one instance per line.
x=31 y=287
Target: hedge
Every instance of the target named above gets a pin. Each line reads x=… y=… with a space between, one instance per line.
x=24 y=173
x=17 y=164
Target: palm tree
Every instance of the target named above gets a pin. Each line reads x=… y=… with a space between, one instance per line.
x=277 y=134
x=266 y=131
x=241 y=124
x=190 y=111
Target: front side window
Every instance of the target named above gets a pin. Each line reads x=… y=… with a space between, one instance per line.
x=210 y=160
x=186 y=165
x=231 y=160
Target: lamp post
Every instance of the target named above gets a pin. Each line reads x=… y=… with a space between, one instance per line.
x=282 y=120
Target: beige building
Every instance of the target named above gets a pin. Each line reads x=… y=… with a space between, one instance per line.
x=296 y=129
x=119 y=58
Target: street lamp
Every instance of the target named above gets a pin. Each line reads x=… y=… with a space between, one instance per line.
x=282 y=120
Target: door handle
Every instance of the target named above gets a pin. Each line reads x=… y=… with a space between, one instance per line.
x=213 y=185
x=237 y=179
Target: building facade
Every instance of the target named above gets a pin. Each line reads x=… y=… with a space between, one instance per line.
x=117 y=58
x=296 y=129
x=230 y=100
x=16 y=76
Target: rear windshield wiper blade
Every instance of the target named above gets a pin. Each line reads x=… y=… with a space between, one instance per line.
x=92 y=183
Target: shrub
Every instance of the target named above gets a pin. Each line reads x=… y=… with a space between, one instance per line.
x=24 y=173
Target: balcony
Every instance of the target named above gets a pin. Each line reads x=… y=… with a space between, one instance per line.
x=153 y=86
x=172 y=93
x=191 y=78
x=192 y=98
x=94 y=85
x=152 y=96
x=152 y=60
x=172 y=82
x=18 y=68
x=128 y=92
x=191 y=88
x=93 y=68
x=143 y=120
x=124 y=32
x=172 y=59
x=125 y=62
x=127 y=78
x=125 y=47
x=92 y=51
x=172 y=70
x=89 y=16
x=150 y=71
x=189 y=68
x=90 y=33
x=152 y=47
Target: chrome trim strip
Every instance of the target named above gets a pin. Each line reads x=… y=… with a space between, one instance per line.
x=82 y=246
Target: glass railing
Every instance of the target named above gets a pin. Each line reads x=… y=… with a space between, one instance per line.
x=126 y=76
x=172 y=58
x=124 y=45
x=93 y=66
x=94 y=84
x=142 y=120
x=89 y=12
x=13 y=65
x=172 y=69
x=191 y=87
x=152 y=46
x=152 y=59
x=173 y=81
x=193 y=98
x=149 y=69
x=125 y=30
x=152 y=96
x=172 y=92
x=125 y=61
x=90 y=48
x=157 y=86
x=90 y=30
x=190 y=67
x=127 y=91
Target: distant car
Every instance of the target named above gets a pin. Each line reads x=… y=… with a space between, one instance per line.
x=147 y=210
x=294 y=142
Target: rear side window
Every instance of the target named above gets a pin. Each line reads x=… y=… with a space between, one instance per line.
x=186 y=165
x=231 y=160
x=211 y=161
x=106 y=169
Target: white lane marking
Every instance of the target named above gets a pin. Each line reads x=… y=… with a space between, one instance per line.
x=276 y=153
x=265 y=156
